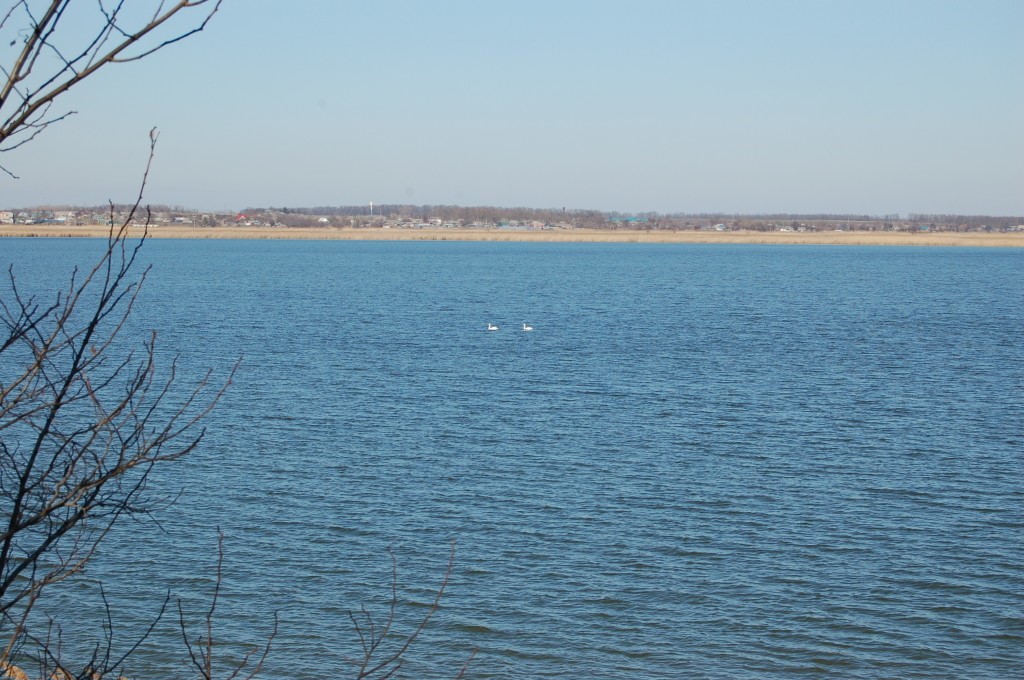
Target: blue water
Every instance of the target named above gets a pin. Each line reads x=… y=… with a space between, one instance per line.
x=704 y=462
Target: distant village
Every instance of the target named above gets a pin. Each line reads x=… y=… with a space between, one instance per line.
x=519 y=219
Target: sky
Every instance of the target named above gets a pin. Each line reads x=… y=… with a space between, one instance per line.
x=734 y=106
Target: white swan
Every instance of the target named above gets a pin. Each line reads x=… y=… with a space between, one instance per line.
x=527 y=328
x=491 y=327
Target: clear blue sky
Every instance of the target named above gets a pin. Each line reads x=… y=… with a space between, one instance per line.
x=855 y=106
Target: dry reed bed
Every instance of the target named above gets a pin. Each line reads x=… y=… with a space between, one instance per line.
x=861 y=238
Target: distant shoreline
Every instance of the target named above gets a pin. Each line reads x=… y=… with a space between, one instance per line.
x=860 y=238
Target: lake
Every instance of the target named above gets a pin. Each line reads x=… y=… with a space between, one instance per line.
x=703 y=462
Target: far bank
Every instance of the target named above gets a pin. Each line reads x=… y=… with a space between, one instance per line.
x=859 y=238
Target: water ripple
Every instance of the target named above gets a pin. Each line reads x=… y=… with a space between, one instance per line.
x=775 y=463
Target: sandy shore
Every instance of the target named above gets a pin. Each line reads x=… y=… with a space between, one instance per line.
x=554 y=236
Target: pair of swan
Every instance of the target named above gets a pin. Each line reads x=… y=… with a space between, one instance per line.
x=492 y=327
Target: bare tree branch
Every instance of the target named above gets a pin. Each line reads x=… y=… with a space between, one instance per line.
x=53 y=58
x=81 y=428
x=201 y=651
x=377 y=662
